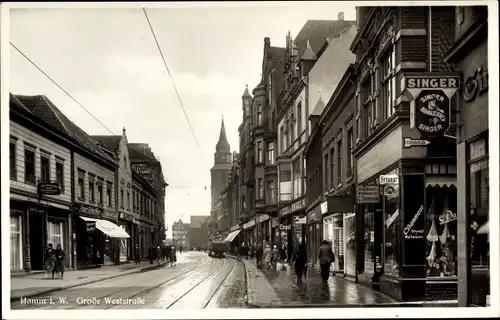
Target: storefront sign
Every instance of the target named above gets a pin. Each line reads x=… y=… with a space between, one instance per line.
x=324 y=207
x=475 y=85
x=86 y=209
x=392 y=218
x=368 y=194
x=36 y=210
x=126 y=216
x=477 y=149
x=388 y=179
x=314 y=215
x=48 y=188
x=432 y=112
x=447 y=216
x=296 y=206
x=285 y=227
x=414 y=242
x=409 y=231
x=409 y=142
x=141 y=167
x=90 y=226
x=110 y=215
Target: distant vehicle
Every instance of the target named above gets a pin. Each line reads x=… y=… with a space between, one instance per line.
x=217 y=249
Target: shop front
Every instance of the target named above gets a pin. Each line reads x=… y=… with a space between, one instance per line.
x=34 y=225
x=250 y=232
x=292 y=232
x=126 y=222
x=97 y=236
x=314 y=233
x=338 y=229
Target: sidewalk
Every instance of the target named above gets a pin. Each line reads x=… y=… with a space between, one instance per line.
x=38 y=283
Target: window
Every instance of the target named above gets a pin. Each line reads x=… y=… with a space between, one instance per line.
x=271 y=197
x=283 y=139
x=16 y=249
x=29 y=166
x=288 y=134
x=292 y=129
x=327 y=172
x=55 y=233
x=122 y=203
x=133 y=200
x=81 y=185
x=350 y=158
x=91 y=191
x=299 y=119
x=60 y=175
x=365 y=97
x=339 y=161
x=128 y=200
x=388 y=92
x=100 y=196
x=12 y=160
x=45 y=168
x=392 y=236
x=259 y=115
x=260 y=152
x=109 y=194
x=260 y=186
x=297 y=178
x=270 y=153
x=332 y=160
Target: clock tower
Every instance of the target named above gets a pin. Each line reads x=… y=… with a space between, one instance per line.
x=222 y=166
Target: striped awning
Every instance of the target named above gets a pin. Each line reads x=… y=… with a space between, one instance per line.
x=440 y=182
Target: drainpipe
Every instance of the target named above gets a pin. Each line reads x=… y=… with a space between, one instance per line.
x=430 y=39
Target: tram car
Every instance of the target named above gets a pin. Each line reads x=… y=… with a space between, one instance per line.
x=217 y=249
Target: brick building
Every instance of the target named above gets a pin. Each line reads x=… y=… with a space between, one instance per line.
x=405 y=120
x=470 y=52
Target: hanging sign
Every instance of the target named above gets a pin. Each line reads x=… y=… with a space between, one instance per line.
x=430 y=108
x=388 y=179
x=409 y=142
x=391 y=191
x=367 y=194
x=49 y=188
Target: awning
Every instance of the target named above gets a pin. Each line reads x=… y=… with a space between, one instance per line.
x=108 y=228
x=484 y=229
x=230 y=237
x=302 y=221
x=440 y=181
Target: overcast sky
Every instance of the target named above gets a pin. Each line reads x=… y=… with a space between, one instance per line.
x=108 y=60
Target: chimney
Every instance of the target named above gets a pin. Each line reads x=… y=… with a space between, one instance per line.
x=340 y=16
x=267 y=42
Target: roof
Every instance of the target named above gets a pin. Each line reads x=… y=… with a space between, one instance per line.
x=246 y=94
x=319 y=107
x=308 y=53
x=140 y=152
x=41 y=107
x=316 y=32
x=222 y=145
x=198 y=221
x=112 y=143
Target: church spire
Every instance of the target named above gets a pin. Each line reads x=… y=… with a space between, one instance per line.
x=222 y=145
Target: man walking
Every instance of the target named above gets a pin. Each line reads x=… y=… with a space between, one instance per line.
x=326 y=257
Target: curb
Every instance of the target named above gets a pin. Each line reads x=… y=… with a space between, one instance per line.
x=35 y=294
x=247 y=303
x=451 y=304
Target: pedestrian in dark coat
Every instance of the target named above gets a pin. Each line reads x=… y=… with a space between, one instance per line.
x=326 y=257
x=275 y=256
x=258 y=255
x=59 y=257
x=137 y=254
x=48 y=259
x=300 y=258
x=151 y=253
x=173 y=256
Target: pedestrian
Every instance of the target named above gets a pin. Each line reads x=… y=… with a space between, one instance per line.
x=326 y=257
x=59 y=257
x=151 y=253
x=158 y=255
x=49 y=259
x=137 y=254
x=258 y=255
x=300 y=258
x=173 y=256
x=275 y=256
x=283 y=254
x=268 y=254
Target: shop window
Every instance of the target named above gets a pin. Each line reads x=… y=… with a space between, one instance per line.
x=45 y=168
x=338 y=242
x=29 y=166
x=350 y=243
x=16 y=249
x=60 y=175
x=55 y=233
x=12 y=160
x=391 y=236
x=369 y=243
x=479 y=214
x=441 y=238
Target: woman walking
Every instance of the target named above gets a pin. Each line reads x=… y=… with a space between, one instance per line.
x=49 y=260
x=276 y=256
x=268 y=256
x=300 y=258
x=60 y=256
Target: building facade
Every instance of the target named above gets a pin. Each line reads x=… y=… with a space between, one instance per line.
x=199 y=231
x=180 y=234
x=470 y=52
x=402 y=84
x=148 y=168
x=39 y=158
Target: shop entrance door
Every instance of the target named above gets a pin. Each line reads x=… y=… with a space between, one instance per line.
x=37 y=240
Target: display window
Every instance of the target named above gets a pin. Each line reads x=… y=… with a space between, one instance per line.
x=338 y=242
x=16 y=249
x=391 y=235
x=441 y=237
x=369 y=243
x=350 y=244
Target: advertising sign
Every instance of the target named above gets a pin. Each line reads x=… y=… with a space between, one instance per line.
x=388 y=179
x=368 y=194
x=90 y=226
x=414 y=244
x=49 y=188
x=430 y=93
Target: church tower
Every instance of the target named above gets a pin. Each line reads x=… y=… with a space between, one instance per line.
x=222 y=166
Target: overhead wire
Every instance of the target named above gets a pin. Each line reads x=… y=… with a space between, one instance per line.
x=175 y=88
